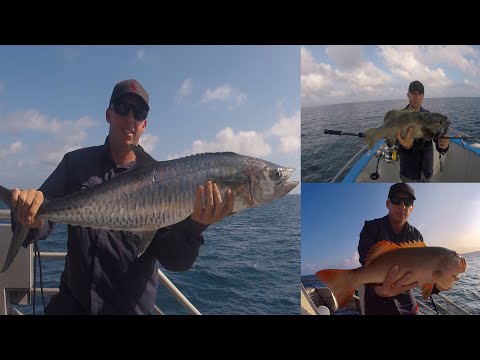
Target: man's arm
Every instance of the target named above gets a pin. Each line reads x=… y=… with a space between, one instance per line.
x=395 y=282
x=177 y=247
x=56 y=186
x=442 y=145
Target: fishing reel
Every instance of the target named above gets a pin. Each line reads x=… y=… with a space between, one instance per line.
x=389 y=154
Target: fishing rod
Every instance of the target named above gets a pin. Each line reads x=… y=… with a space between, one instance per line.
x=338 y=132
x=360 y=134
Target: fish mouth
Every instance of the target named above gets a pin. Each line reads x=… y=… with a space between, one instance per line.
x=284 y=186
x=463 y=264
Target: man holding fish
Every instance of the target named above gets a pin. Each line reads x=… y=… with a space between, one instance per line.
x=416 y=155
x=102 y=273
x=394 y=260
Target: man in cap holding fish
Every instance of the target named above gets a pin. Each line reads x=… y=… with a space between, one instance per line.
x=102 y=273
x=395 y=296
x=416 y=155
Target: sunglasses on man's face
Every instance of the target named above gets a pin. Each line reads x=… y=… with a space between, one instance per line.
x=397 y=201
x=140 y=113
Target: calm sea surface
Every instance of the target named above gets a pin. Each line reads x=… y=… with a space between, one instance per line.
x=249 y=264
x=323 y=156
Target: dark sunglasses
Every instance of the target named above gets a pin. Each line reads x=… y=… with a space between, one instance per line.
x=140 y=113
x=397 y=201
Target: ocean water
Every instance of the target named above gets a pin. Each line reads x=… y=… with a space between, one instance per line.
x=323 y=156
x=249 y=264
x=465 y=292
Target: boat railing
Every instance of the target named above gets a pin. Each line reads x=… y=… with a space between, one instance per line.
x=345 y=167
x=163 y=279
x=444 y=306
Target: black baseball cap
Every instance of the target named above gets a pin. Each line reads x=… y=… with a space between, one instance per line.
x=416 y=85
x=401 y=188
x=130 y=86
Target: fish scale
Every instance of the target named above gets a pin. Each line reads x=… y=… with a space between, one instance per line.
x=158 y=194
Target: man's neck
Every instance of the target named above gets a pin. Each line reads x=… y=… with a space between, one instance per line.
x=120 y=155
x=414 y=108
x=397 y=227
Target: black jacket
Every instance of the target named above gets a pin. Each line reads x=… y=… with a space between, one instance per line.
x=374 y=231
x=102 y=273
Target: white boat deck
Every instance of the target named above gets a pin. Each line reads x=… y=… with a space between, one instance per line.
x=460 y=164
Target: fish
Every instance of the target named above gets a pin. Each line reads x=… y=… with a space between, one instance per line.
x=426 y=125
x=429 y=266
x=157 y=194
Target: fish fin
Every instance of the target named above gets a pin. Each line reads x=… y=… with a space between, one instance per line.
x=427 y=290
x=380 y=248
x=19 y=236
x=341 y=283
x=385 y=246
x=445 y=283
x=427 y=134
x=5 y=196
x=412 y=244
x=143 y=159
x=146 y=238
x=390 y=116
x=371 y=137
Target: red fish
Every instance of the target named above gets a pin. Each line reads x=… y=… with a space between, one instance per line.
x=429 y=266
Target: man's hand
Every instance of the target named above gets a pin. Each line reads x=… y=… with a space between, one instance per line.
x=26 y=204
x=393 y=284
x=406 y=142
x=214 y=210
x=443 y=142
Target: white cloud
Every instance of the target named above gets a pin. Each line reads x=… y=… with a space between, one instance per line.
x=244 y=142
x=63 y=135
x=185 y=89
x=346 y=56
x=140 y=54
x=148 y=142
x=320 y=82
x=14 y=148
x=33 y=120
x=352 y=262
x=344 y=74
x=409 y=63
x=288 y=131
x=463 y=57
x=224 y=93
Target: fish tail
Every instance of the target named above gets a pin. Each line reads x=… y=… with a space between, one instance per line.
x=371 y=137
x=19 y=235
x=340 y=282
x=5 y=196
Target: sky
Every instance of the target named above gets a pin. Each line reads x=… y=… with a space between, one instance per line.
x=53 y=100
x=333 y=74
x=333 y=216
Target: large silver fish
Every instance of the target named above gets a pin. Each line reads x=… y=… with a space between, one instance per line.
x=158 y=194
x=425 y=126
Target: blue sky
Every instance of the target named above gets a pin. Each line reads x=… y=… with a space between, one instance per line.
x=333 y=216
x=333 y=74
x=202 y=98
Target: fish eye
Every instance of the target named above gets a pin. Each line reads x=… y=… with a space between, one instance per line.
x=278 y=174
